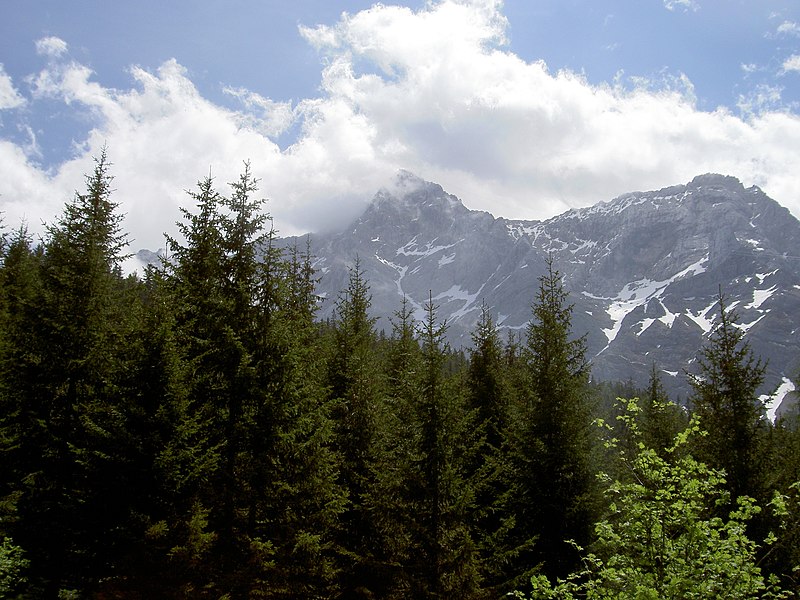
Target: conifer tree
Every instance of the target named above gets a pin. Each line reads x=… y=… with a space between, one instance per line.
x=253 y=452
x=195 y=275
x=72 y=510
x=725 y=398
x=390 y=499
x=661 y=419
x=488 y=393
x=354 y=380
x=551 y=441
x=489 y=396
x=446 y=558
x=298 y=501
x=21 y=407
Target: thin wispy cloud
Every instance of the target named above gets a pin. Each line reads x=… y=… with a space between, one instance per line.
x=51 y=46
x=684 y=5
x=789 y=28
x=9 y=96
x=792 y=63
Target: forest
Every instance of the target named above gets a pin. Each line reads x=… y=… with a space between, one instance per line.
x=196 y=432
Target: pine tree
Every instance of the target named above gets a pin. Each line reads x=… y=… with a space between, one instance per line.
x=446 y=564
x=252 y=454
x=298 y=502
x=73 y=516
x=356 y=390
x=21 y=426
x=489 y=396
x=391 y=500
x=725 y=398
x=195 y=276
x=488 y=393
x=551 y=443
x=661 y=419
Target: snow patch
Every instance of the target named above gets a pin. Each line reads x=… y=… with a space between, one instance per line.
x=745 y=327
x=668 y=318
x=701 y=318
x=773 y=401
x=457 y=293
x=763 y=276
x=637 y=293
x=645 y=324
x=761 y=296
x=411 y=249
x=586 y=244
x=446 y=260
x=755 y=244
x=517 y=230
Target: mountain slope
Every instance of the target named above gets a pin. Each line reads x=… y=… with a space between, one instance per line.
x=643 y=270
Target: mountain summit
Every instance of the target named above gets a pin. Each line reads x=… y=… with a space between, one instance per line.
x=643 y=270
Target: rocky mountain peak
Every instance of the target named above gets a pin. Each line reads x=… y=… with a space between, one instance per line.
x=643 y=270
x=715 y=181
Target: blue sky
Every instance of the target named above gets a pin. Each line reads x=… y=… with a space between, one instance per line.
x=524 y=108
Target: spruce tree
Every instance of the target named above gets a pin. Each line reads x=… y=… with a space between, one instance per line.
x=22 y=399
x=252 y=455
x=446 y=558
x=73 y=514
x=391 y=498
x=725 y=398
x=661 y=419
x=354 y=380
x=489 y=396
x=298 y=501
x=551 y=439
x=488 y=393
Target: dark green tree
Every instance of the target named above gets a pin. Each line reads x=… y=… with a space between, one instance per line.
x=661 y=419
x=356 y=389
x=552 y=496
x=725 y=397
x=252 y=457
x=390 y=498
x=446 y=556
x=21 y=429
x=489 y=397
x=299 y=502
x=487 y=381
x=73 y=514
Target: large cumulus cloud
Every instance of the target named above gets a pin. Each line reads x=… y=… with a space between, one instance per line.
x=434 y=91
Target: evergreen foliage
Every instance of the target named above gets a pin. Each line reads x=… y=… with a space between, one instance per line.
x=551 y=439
x=356 y=387
x=726 y=400
x=198 y=433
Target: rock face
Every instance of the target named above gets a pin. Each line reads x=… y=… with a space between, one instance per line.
x=643 y=270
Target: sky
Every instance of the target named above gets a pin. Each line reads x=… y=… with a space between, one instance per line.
x=523 y=108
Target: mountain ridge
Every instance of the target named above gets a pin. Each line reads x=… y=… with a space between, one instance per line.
x=643 y=270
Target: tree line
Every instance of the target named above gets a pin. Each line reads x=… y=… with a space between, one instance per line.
x=197 y=432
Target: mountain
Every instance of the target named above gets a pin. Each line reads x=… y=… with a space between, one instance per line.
x=643 y=270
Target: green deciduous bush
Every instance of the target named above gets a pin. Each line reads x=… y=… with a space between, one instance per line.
x=661 y=538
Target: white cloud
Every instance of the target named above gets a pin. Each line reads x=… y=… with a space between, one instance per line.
x=789 y=28
x=432 y=91
x=792 y=63
x=273 y=118
x=51 y=46
x=761 y=99
x=681 y=4
x=9 y=96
